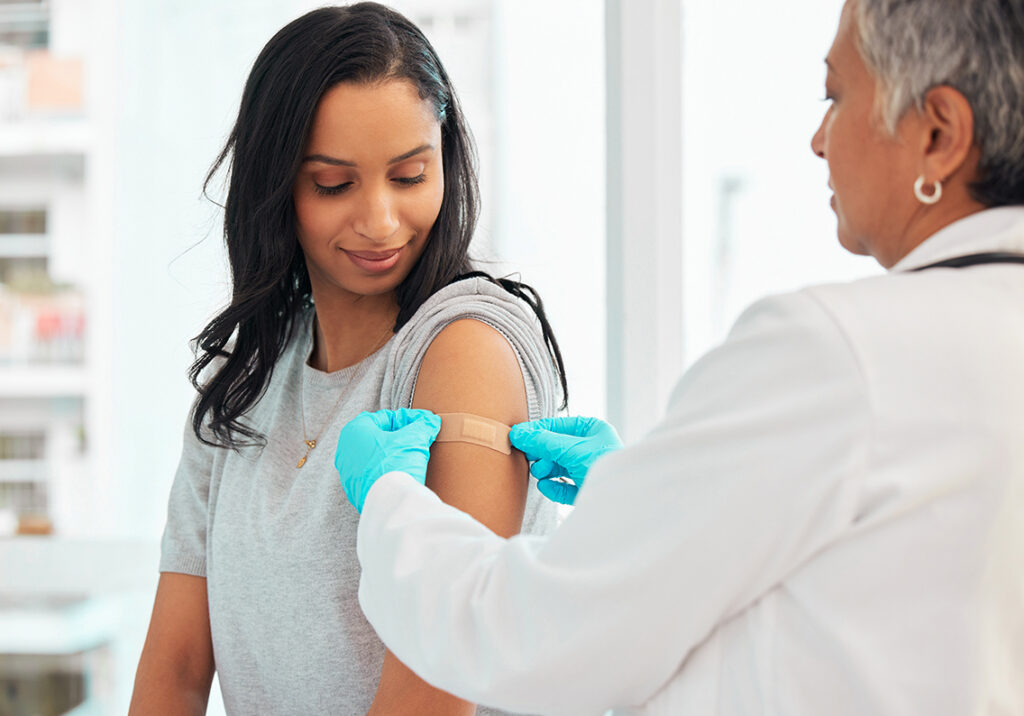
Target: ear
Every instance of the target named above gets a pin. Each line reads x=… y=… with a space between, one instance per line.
x=949 y=121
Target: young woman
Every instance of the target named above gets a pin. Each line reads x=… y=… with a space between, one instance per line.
x=351 y=204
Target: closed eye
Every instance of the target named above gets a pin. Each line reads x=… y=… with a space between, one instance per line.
x=331 y=190
x=409 y=181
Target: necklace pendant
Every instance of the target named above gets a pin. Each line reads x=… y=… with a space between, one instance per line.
x=310 y=444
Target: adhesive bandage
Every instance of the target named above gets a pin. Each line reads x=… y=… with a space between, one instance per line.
x=474 y=429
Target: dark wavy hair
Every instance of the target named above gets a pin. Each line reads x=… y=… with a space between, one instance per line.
x=360 y=43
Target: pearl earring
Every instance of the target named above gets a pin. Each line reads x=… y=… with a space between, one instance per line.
x=932 y=198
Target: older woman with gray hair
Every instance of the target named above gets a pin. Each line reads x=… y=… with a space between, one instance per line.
x=829 y=519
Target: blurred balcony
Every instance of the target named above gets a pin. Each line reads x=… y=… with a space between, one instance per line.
x=38 y=333
x=42 y=103
x=67 y=608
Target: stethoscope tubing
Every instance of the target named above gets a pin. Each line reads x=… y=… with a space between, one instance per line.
x=992 y=257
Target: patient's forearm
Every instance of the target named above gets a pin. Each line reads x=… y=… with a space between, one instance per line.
x=402 y=693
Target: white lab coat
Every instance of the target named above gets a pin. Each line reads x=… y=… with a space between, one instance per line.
x=829 y=520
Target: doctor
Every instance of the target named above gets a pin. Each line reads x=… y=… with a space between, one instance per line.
x=830 y=517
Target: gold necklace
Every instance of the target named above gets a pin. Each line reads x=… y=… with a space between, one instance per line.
x=310 y=444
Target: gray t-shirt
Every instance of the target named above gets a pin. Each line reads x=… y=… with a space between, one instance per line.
x=277 y=544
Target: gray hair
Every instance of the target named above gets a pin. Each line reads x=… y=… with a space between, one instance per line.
x=974 y=46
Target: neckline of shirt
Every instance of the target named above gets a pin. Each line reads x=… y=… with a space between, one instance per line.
x=1001 y=228
x=338 y=378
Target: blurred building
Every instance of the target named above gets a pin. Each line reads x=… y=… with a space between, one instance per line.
x=44 y=147
x=61 y=614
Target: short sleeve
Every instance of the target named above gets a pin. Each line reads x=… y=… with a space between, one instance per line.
x=183 y=548
x=481 y=300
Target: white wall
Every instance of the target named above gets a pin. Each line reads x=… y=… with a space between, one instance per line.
x=644 y=188
x=181 y=68
x=754 y=78
x=550 y=164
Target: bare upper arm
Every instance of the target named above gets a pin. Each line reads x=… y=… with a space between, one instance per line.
x=468 y=368
x=176 y=667
x=471 y=368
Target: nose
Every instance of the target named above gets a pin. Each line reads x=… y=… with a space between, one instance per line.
x=818 y=140
x=376 y=219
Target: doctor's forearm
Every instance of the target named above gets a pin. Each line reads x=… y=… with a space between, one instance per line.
x=444 y=592
x=411 y=607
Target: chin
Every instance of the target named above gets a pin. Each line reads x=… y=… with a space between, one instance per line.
x=376 y=285
x=854 y=246
x=371 y=287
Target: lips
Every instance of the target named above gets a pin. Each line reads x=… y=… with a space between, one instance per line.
x=375 y=261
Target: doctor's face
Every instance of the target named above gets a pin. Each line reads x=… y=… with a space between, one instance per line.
x=871 y=172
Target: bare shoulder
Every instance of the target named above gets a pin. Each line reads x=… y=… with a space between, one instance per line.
x=471 y=367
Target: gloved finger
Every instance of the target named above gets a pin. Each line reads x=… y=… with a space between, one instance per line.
x=559 y=471
x=393 y=420
x=540 y=442
x=423 y=422
x=555 y=470
x=607 y=433
x=363 y=424
x=383 y=419
x=561 y=492
x=564 y=424
x=542 y=468
x=519 y=434
x=585 y=453
x=401 y=418
x=531 y=458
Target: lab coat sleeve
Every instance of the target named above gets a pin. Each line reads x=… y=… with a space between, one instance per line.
x=755 y=468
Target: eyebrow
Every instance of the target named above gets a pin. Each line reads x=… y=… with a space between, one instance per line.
x=345 y=163
x=830 y=66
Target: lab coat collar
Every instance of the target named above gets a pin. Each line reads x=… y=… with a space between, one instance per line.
x=999 y=229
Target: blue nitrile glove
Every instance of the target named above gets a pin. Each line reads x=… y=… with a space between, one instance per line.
x=373 y=444
x=563 y=447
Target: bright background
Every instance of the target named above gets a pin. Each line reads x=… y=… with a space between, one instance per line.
x=111 y=260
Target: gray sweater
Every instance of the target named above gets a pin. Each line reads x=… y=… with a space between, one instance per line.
x=277 y=545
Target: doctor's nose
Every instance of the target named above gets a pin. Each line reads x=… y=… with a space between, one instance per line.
x=818 y=141
x=376 y=219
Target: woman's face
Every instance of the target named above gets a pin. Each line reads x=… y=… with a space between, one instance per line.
x=369 y=188
x=871 y=172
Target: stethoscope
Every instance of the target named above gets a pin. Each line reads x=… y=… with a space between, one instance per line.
x=992 y=257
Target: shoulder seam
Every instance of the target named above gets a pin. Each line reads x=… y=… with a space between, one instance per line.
x=532 y=401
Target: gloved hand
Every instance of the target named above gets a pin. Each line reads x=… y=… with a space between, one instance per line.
x=563 y=447
x=373 y=444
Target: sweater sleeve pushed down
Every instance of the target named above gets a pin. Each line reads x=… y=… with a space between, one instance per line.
x=480 y=300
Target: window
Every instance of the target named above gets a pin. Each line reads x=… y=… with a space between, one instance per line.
x=22 y=221
x=756 y=212
x=23 y=246
x=24 y=24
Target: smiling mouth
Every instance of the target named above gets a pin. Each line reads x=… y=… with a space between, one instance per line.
x=373 y=255
x=375 y=261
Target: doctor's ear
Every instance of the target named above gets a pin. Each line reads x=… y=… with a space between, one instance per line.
x=947 y=138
